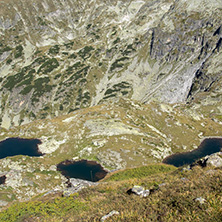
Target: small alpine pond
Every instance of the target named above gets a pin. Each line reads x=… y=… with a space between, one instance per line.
x=207 y=147
x=82 y=169
x=19 y=146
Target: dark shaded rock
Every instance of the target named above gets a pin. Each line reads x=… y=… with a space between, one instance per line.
x=2 y=179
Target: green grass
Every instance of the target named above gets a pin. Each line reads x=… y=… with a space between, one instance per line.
x=140 y=172
x=58 y=207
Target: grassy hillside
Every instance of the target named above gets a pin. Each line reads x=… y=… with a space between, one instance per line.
x=173 y=199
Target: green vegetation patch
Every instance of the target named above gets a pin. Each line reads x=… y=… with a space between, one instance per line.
x=11 y=81
x=39 y=60
x=48 y=66
x=79 y=74
x=116 y=41
x=69 y=45
x=75 y=81
x=140 y=172
x=27 y=78
x=72 y=56
x=88 y=26
x=8 y=61
x=41 y=21
x=82 y=98
x=23 y=78
x=118 y=63
x=85 y=52
x=26 y=90
x=128 y=50
x=54 y=50
x=122 y=87
x=57 y=76
x=18 y=51
x=41 y=87
x=76 y=66
x=58 y=207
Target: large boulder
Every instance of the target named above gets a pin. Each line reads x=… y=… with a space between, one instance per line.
x=139 y=190
x=215 y=159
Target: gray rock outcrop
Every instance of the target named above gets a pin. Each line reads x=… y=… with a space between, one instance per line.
x=139 y=190
x=114 y=212
x=76 y=185
x=215 y=159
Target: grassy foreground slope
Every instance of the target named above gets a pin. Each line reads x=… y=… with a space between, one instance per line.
x=174 y=200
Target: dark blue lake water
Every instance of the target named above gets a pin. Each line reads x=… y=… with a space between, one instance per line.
x=207 y=147
x=19 y=146
x=83 y=169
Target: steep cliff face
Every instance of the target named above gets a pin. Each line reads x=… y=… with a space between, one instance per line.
x=59 y=56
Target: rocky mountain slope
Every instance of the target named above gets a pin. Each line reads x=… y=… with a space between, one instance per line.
x=58 y=56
